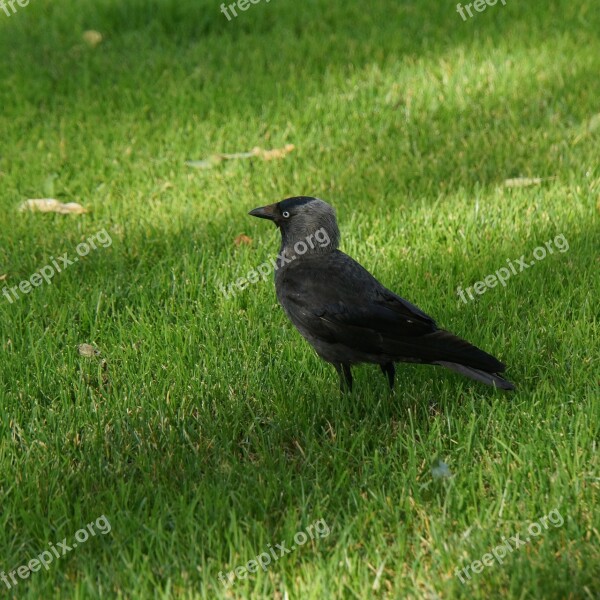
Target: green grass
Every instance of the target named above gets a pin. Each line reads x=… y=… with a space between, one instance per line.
x=212 y=429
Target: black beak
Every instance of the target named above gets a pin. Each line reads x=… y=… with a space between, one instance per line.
x=265 y=212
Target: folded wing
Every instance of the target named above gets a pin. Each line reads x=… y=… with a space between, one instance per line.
x=338 y=301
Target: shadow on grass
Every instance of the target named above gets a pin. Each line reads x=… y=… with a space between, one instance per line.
x=159 y=438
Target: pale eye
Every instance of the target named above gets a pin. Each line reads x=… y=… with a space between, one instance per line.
x=286 y=214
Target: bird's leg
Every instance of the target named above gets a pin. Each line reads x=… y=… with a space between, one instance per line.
x=390 y=372
x=345 y=374
x=348 y=375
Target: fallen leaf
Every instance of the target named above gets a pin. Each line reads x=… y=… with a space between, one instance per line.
x=237 y=155
x=215 y=159
x=92 y=38
x=52 y=205
x=242 y=239
x=3 y=277
x=523 y=181
x=207 y=163
x=274 y=154
x=88 y=350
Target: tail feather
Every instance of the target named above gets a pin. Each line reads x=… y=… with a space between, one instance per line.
x=458 y=355
x=444 y=346
x=478 y=375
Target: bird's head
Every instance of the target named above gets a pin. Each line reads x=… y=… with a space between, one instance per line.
x=303 y=219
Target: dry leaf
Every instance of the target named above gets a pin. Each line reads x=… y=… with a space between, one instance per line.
x=52 y=205
x=523 y=181
x=237 y=155
x=215 y=159
x=207 y=163
x=242 y=239
x=3 y=277
x=92 y=38
x=274 y=154
x=88 y=350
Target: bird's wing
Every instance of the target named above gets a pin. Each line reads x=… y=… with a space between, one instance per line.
x=337 y=300
x=333 y=299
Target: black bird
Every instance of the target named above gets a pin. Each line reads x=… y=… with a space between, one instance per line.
x=346 y=314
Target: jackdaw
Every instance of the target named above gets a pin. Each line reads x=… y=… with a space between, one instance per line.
x=346 y=314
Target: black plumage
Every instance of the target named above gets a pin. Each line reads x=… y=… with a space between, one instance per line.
x=346 y=314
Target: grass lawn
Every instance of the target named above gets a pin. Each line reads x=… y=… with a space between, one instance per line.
x=207 y=431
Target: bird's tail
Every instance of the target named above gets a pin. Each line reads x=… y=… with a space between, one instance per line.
x=478 y=375
x=458 y=355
